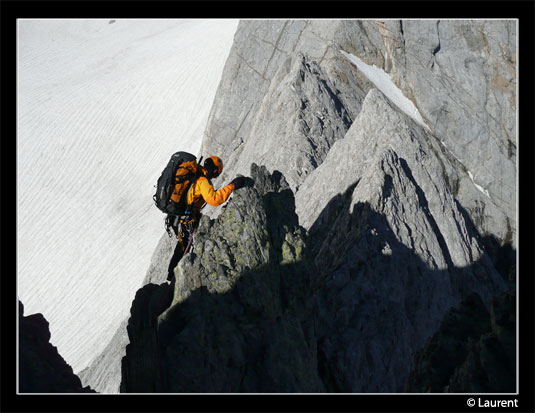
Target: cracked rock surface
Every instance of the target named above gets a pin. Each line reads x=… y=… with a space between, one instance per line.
x=395 y=249
x=473 y=351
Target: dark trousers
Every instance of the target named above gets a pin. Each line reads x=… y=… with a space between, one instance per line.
x=183 y=234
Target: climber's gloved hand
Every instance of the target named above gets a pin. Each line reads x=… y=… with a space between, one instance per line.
x=238 y=182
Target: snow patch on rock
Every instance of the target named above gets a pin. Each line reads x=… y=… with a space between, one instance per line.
x=384 y=83
x=479 y=187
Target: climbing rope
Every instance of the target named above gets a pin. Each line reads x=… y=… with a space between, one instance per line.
x=190 y=241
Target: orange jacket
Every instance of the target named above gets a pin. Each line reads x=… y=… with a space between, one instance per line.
x=203 y=191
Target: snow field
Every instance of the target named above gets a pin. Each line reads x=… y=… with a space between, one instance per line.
x=101 y=107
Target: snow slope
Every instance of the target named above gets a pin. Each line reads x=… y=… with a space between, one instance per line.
x=102 y=104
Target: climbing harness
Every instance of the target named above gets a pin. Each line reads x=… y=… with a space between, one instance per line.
x=174 y=220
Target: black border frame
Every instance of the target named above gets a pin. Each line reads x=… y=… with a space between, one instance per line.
x=524 y=11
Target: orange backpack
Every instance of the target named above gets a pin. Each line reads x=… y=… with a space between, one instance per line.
x=174 y=183
x=185 y=177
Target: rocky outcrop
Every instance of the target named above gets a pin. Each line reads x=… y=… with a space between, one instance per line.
x=41 y=368
x=405 y=218
x=462 y=77
x=141 y=370
x=104 y=373
x=402 y=175
x=239 y=319
x=474 y=350
x=279 y=103
x=297 y=122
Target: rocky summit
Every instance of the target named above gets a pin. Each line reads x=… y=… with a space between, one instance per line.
x=377 y=237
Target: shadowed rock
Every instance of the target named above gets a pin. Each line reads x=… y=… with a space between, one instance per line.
x=41 y=367
x=474 y=350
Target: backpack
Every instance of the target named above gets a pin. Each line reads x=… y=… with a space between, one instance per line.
x=174 y=183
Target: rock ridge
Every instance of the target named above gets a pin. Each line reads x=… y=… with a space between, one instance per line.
x=460 y=75
x=240 y=300
x=474 y=350
x=256 y=308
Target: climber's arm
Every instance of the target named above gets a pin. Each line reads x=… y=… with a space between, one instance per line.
x=211 y=196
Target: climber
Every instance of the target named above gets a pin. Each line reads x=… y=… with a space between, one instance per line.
x=200 y=193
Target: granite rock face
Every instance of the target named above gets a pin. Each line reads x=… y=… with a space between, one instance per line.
x=365 y=229
x=261 y=305
x=301 y=116
x=403 y=220
x=460 y=75
x=104 y=372
x=140 y=367
x=41 y=367
x=283 y=99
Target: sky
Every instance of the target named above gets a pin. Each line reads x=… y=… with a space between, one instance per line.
x=101 y=106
